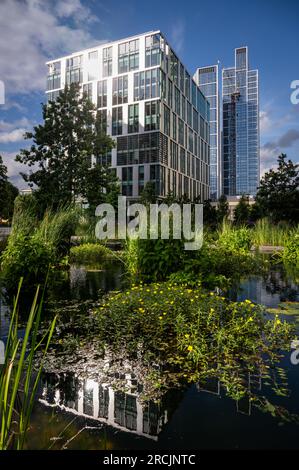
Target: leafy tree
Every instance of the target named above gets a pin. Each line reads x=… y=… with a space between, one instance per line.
x=242 y=211
x=278 y=193
x=101 y=185
x=8 y=193
x=62 y=149
x=209 y=214
x=148 y=194
x=222 y=208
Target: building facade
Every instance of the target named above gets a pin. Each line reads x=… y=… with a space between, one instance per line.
x=153 y=109
x=241 y=140
x=207 y=78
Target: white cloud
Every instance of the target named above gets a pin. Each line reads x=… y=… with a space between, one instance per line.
x=265 y=121
x=177 y=36
x=34 y=31
x=14 y=131
x=13 y=136
x=13 y=169
x=8 y=126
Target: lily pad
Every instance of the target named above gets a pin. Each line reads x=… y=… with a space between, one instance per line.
x=285 y=308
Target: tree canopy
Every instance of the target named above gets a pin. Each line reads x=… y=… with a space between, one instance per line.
x=60 y=156
x=8 y=193
x=278 y=193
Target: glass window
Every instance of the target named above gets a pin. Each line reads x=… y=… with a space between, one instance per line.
x=102 y=94
x=128 y=56
x=117 y=120
x=147 y=84
x=152 y=50
x=152 y=116
x=87 y=89
x=120 y=90
x=107 y=61
x=166 y=120
x=133 y=118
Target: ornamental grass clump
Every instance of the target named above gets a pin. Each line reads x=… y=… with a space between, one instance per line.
x=90 y=253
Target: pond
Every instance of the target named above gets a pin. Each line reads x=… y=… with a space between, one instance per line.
x=77 y=411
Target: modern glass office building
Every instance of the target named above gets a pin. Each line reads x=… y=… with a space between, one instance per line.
x=241 y=142
x=153 y=109
x=207 y=78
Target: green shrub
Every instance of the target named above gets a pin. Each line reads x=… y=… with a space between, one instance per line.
x=25 y=256
x=34 y=246
x=234 y=238
x=153 y=259
x=290 y=254
x=89 y=253
x=187 y=332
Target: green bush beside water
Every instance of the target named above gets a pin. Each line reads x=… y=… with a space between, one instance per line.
x=35 y=246
x=191 y=334
x=89 y=253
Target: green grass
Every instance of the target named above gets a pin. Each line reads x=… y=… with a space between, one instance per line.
x=265 y=233
x=89 y=253
x=18 y=379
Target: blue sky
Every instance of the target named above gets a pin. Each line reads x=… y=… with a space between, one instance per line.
x=202 y=32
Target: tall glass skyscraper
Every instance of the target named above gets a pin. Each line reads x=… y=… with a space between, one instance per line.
x=241 y=142
x=207 y=78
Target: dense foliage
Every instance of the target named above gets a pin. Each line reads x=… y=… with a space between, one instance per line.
x=190 y=333
x=278 y=193
x=62 y=151
x=34 y=246
x=8 y=193
x=89 y=253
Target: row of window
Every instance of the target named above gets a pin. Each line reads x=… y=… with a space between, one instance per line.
x=165 y=181
x=156 y=54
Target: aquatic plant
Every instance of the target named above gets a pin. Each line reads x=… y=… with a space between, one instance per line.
x=90 y=253
x=34 y=246
x=191 y=334
x=290 y=254
x=234 y=239
x=18 y=379
x=267 y=233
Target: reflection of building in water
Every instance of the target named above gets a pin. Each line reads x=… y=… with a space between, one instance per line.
x=250 y=381
x=91 y=399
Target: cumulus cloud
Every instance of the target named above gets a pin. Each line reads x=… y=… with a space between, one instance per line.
x=265 y=121
x=13 y=169
x=271 y=149
x=14 y=131
x=34 y=31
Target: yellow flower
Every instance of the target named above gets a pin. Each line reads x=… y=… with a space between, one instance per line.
x=164 y=313
x=187 y=336
x=160 y=318
x=190 y=348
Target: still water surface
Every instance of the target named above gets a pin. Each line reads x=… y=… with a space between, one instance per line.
x=83 y=413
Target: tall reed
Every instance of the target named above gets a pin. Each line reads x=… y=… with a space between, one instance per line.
x=266 y=233
x=18 y=378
